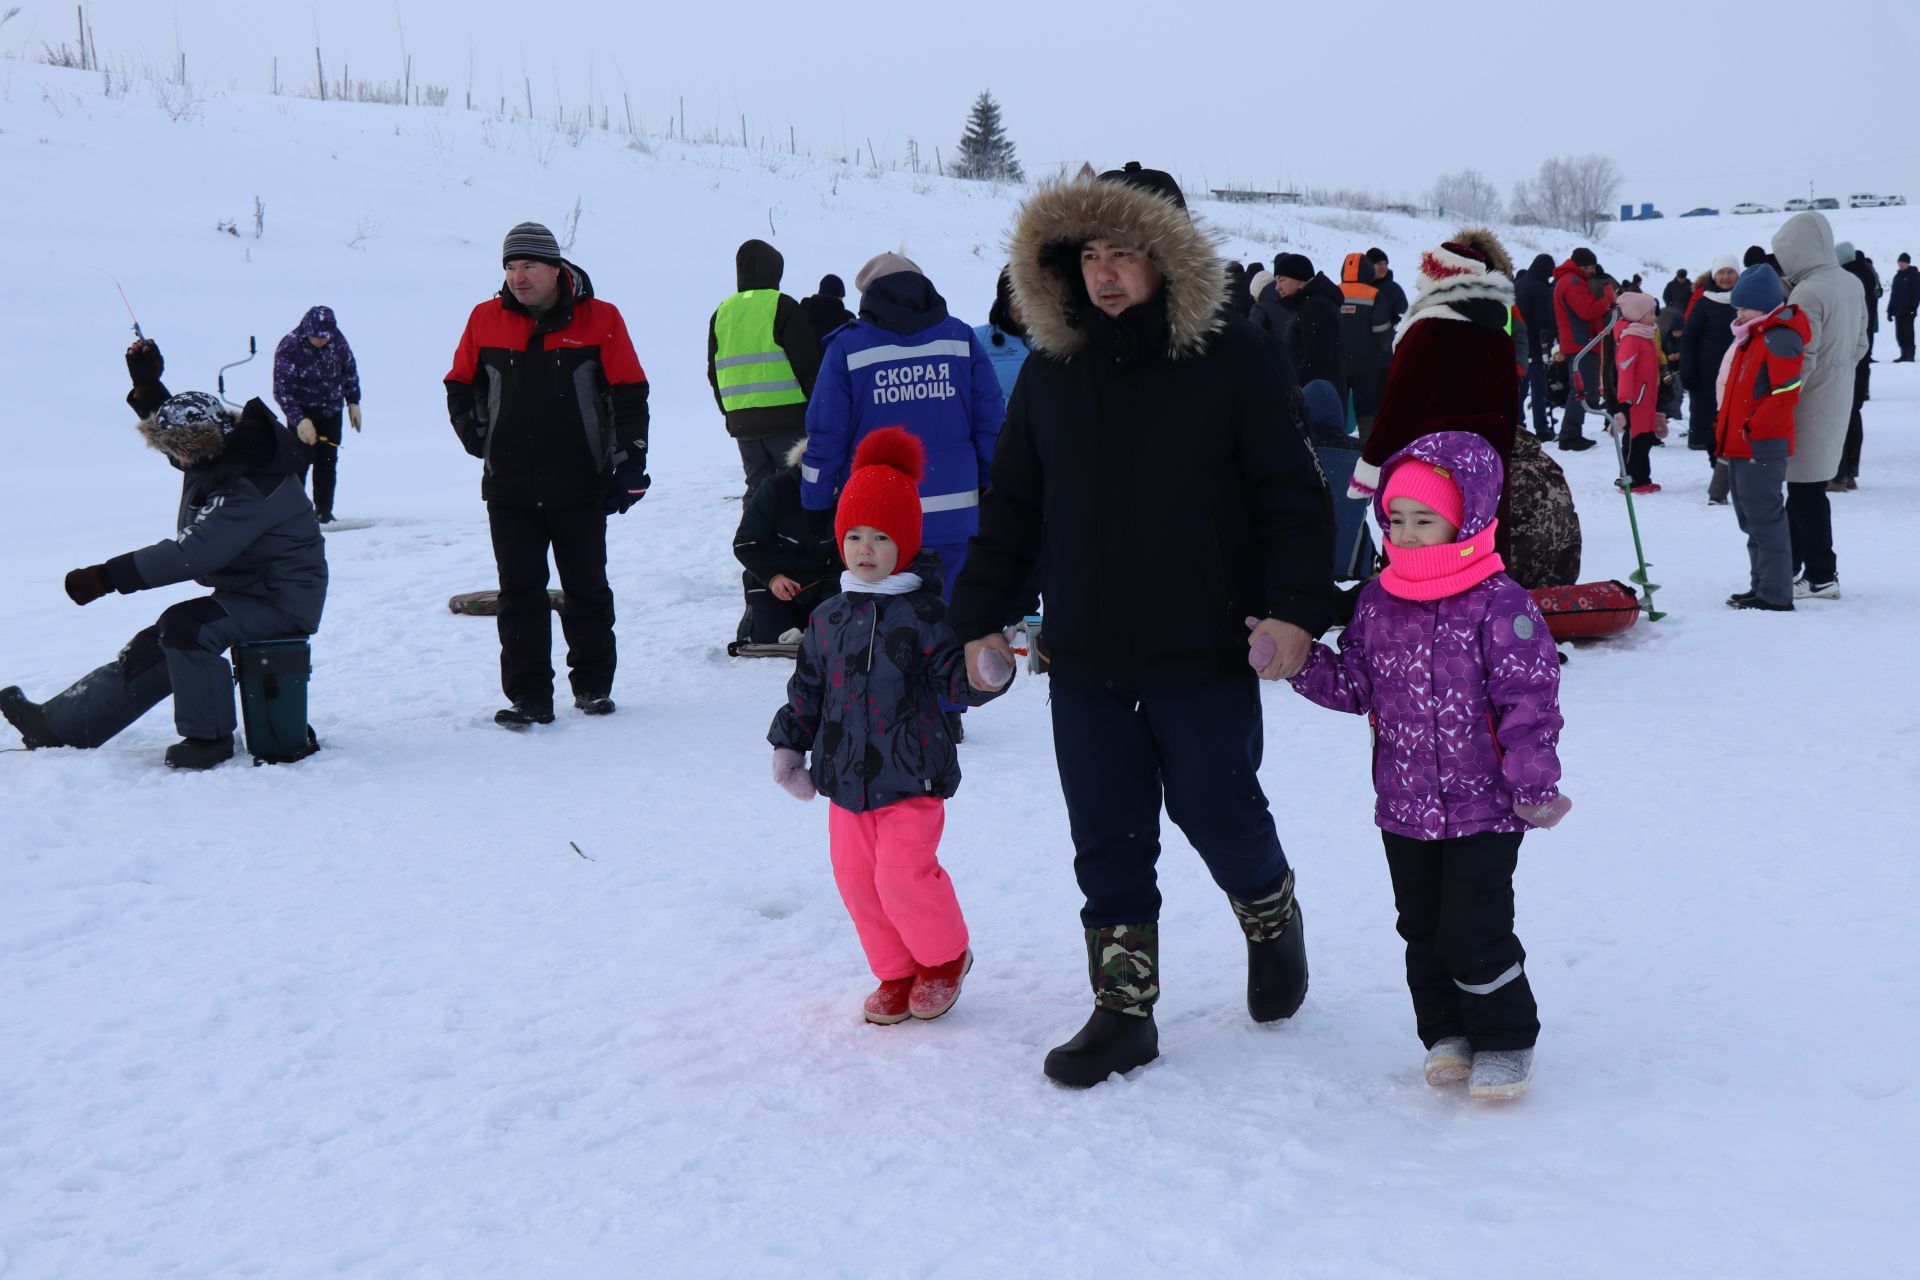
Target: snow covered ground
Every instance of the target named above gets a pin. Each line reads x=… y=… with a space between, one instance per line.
x=371 y=1015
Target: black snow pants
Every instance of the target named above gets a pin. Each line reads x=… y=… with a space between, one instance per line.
x=578 y=539
x=1465 y=968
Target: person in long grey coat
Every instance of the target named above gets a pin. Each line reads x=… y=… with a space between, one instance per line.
x=1831 y=301
x=246 y=531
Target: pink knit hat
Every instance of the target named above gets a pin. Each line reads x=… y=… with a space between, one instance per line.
x=1428 y=483
x=1637 y=307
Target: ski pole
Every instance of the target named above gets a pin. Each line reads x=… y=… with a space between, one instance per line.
x=220 y=380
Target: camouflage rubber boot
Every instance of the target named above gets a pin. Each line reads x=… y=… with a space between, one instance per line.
x=1123 y=963
x=1276 y=953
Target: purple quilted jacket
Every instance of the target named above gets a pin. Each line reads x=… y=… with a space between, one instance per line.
x=308 y=379
x=1463 y=692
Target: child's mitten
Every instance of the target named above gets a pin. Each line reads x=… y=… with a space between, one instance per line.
x=790 y=772
x=1544 y=815
x=1660 y=426
x=1261 y=649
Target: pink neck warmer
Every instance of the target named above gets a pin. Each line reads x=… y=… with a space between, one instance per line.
x=1429 y=573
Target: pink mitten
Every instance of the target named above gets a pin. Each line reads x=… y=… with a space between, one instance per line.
x=1616 y=424
x=1260 y=649
x=993 y=667
x=1660 y=426
x=1544 y=815
x=790 y=771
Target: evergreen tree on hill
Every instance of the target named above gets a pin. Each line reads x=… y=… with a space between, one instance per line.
x=986 y=152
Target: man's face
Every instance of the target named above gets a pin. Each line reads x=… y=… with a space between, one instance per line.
x=319 y=340
x=534 y=285
x=1588 y=271
x=1287 y=286
x=1725 y=278
x=1381 y=271
x=1117 y=276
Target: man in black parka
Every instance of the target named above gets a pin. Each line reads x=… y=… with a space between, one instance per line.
x=1146 y=450
x=246 y=531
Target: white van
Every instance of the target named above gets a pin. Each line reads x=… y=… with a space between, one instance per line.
x=1865 y=200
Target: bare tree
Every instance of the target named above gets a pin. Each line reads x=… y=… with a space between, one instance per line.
x=1570 y=192
x=1466 y=194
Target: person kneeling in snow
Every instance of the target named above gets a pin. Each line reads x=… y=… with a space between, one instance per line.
x=1451 y=662
x=246 y=530
x=865 y=699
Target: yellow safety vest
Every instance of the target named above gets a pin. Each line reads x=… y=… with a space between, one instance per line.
x=752 y=370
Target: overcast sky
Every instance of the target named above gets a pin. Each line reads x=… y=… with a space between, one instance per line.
x=1699 y=102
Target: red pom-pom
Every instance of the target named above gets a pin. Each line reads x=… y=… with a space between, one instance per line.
x=894 y=447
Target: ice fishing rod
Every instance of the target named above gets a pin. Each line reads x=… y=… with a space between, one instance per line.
x=220 y=380
x=123 y=302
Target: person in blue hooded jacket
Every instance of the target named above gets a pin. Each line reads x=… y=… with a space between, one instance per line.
x=313 y=371
x=905 y=362
x=1004 y=337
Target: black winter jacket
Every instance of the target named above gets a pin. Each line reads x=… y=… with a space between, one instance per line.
x=245 y=526
x=865 y=695
x=1703 y=344
x=1172 y=503
x=1904 y=298
x=1533 y=295
x=776 y=536
x=1313 y=341
x=550 y=403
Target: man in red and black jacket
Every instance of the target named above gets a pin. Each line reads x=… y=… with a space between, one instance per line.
x=547 y=392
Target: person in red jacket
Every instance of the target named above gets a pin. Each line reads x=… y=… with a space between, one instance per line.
x=1453 y=361
x=1637 y=362
x=1759 y=387
x=547 y=392
x=1579 y=312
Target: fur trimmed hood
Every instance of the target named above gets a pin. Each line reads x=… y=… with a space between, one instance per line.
x=191 y=428
x=1453 y=286
x=1044 y=253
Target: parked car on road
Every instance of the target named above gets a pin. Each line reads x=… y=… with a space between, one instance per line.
x=1824 y=202
x=1749 y=206
x=1798 y=206
x=1701 y=212
x=1865 y=200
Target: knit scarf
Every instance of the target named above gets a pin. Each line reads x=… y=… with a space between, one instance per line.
x=1643 y=329
x=894 y=584
x=1447 y=569
x=1430 y=301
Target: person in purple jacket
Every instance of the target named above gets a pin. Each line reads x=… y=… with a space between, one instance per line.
x=313 y=371
x=1450 y=661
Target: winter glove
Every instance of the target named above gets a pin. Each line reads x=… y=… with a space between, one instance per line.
x=84 y=586
x=1543 y=815
x=629 y=484
x=820 y=526
x=353 y=415
x=1263 y=649
x=790 y=772
x=994 y=667
x=1660 y=426
x=144 y=362
x=1616 y=424
x=306 y=431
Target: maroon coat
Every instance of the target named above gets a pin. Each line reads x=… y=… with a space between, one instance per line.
x=1448 y=375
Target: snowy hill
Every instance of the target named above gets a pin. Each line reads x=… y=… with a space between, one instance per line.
x=371 y=1015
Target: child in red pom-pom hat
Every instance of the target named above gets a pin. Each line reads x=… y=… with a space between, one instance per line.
x=865 y=700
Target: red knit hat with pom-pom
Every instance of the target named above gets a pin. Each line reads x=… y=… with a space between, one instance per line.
x=884 y=491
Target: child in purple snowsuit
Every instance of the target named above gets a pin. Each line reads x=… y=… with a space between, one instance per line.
x=1450 y=661
x=313 y=371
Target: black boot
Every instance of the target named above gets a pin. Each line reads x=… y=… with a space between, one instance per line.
x=1276 y=953
x=200 y=753
x=1123 y=963
x=593 y=704
x=28 y=718
x=522 y=714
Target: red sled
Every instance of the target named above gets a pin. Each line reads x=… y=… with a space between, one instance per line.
x=1588 y=610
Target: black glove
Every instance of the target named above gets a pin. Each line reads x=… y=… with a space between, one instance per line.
x=629 y=484
x=145 y=364
x=84 y=586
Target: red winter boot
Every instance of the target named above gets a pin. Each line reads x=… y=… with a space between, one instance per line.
x=888 y=1003
x=935 y=990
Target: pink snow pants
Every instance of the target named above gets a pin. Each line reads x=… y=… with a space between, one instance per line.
x=887 y=864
